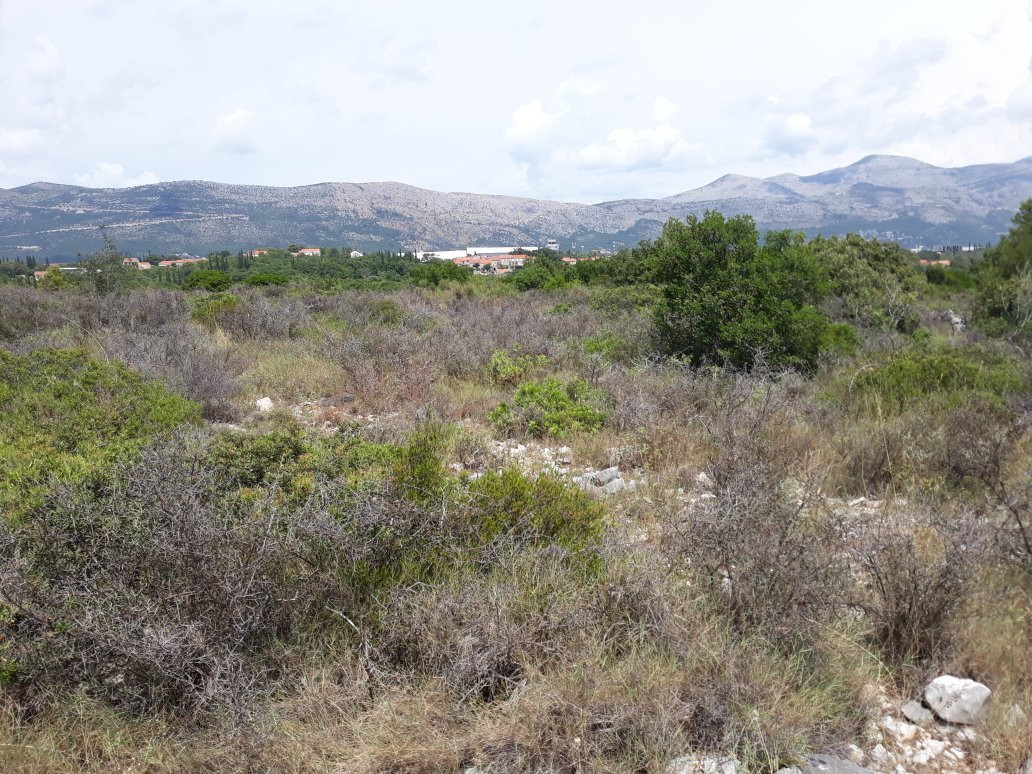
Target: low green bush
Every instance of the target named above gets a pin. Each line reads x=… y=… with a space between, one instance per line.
x=504 y=368
x=544 y=509
x=386 y=312
x=212 y=280
x=610 y=348
x=550 y=407
x=208 y=309
x=247 y=460
x=939 y=372
x=839 y=339
x=418 y=470
x=265 y=278
x=65 y=416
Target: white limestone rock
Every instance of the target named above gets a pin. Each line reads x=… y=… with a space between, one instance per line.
x=700 y=763
x=957 y=699
x=917 y=714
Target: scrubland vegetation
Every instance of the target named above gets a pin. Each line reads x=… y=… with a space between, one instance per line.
x=359 y=580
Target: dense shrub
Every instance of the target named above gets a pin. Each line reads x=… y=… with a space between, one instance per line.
x=725 y=299
x=917 y=565
x=541 y=510
x=188 y=361
x=149 y=594
x=208 y=279
x=872 y=283
x=1005 y=280
x=210 y=309
x=436 y=273
x=266 y=278
x=65 y=416
x=550 y=407
x=504 y=368
x=936 y=372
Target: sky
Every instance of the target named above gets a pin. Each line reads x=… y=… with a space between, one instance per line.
x=568 y=100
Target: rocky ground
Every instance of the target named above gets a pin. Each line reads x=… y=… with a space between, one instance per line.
x=936 y=732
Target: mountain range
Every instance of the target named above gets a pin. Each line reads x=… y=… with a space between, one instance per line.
x=889 y=197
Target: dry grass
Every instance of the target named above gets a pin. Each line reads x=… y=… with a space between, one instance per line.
x=288 y=371
x=994 y=645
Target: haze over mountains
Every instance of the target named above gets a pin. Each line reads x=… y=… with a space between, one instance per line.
x=888 y=197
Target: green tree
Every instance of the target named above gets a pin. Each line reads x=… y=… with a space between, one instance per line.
x=726 y=299
x=208 y=279
x=1005 y=279
x=434 y=273
x=105 y=270
x=873 y=283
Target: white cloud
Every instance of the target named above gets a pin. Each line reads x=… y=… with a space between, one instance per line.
x=106 y=174
x=19 y=140
x=663 y=110
x=581 y=86
x=530 y=122
x=232 y=132
x=614 y=105
x=628 y=149
x=45 y=58
x=789 y=135
x=1019 y=104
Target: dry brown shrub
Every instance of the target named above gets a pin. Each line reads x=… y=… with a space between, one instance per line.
x=916 y=564
x=762 y=541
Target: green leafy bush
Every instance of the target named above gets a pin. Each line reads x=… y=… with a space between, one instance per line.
x=549 y=407
x=419 y=467
x=871 y=283
x=610 y=348
x=839 y=339
x=436 y=273
x=266 y=278
x=543 y=509
x=950 y=278
x=947 y=375
x=66 y=416
x=725 y=299
x=386 y=312
x=208 y=309
x=208 y=279
x=247 y=460
x=504 y=368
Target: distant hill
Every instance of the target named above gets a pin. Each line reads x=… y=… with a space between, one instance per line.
x=889 y=197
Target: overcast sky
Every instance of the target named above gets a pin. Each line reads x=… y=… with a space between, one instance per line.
x=579 y=101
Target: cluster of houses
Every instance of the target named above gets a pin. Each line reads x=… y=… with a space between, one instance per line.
x=175 y=262
x=926 y=262
x=506 y=262
x=303 y=251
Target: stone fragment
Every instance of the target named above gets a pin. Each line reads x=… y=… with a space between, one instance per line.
x=603 y=477
x=957 y=699
x=831 y=764
x=917 y=714
x=700 y=763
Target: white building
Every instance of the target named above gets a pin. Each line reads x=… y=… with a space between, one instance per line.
x=451 y=255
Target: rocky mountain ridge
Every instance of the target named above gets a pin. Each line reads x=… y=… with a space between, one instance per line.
x=888 y=197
